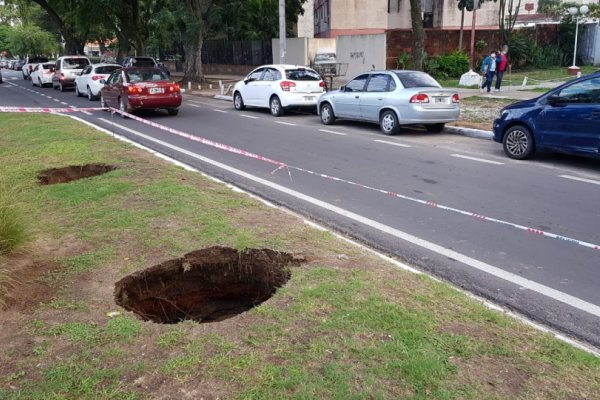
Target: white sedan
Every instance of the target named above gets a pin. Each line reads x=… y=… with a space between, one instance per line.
x=88 y=82
x=42 y=74
x=278 y=87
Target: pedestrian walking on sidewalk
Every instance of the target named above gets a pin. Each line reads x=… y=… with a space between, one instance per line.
x=488 y=69
x=501 y=66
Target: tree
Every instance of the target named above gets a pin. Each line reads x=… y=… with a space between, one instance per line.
x=418 y=34
x=462 y=6
x=196 y=28
x=505 y=23
x=30 y=39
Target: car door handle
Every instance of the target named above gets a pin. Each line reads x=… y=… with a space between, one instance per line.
x=596 y=114
x=356 y=97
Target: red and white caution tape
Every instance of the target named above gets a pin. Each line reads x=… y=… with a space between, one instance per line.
x=48 y=109
x=282 y=165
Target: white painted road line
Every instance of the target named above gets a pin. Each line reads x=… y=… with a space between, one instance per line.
x=194 y=105
x=393 y=143
x=285 y=123
x=248 y=116
x=87 y=113
x=449 y=253
x=477 y=159
x=64 y=104
x=334 y=132
x=56 y=100
x=220 y=111
x=575 y=178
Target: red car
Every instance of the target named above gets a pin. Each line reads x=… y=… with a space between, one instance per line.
x=131 y=89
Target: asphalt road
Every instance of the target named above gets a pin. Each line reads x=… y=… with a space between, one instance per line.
x=523 y=234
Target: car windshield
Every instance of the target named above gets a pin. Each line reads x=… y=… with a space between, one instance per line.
x=75 y=63
x=143 y=62
x=145 y=75
x=302 y=74
x=107 y=70
x=329 y=57
x=417 y=79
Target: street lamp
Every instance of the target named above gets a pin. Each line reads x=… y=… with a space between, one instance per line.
x=576 y=12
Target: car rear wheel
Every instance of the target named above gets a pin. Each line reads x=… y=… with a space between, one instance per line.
x=40 y=83
x=437 y=128
x=327 y=115
x=275 y=106
x=518 y=143
x=90 y=96
x=388 y=122
x=238 y=102
x=123 y=107
x=32 y=82
x=173 y=111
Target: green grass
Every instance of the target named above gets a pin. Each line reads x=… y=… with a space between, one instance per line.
x=13 y=230
x=346 y=325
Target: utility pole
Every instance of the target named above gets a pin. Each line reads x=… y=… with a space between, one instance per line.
x=282 y=31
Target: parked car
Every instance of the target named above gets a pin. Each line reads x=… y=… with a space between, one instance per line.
x=140 y=62
x=565 y=119
x=18 y=65
x=42 y=74
x=3 y=63
x=392 y=99
x=326 y=63
x=131 y=89
x=88 y=82
x=278 y=87
x=30 y=63
x=67 y=69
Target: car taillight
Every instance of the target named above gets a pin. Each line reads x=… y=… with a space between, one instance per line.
x=62 y=76
x=97 y=77
x=419 y=98
x=286 y=85
x=174 y=88
x=134 y=89
x=455 y=98
x=322 y=84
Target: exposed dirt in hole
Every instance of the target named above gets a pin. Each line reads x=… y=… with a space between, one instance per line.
x=206 y=285
x=67 y=174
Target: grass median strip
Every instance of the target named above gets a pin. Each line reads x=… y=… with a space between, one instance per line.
x=346 y=325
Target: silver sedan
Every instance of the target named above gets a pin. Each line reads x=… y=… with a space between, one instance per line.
x=392 y=99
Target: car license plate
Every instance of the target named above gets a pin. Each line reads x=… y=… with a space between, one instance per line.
x=309 y=98
x=440 y=99
x=155 y=90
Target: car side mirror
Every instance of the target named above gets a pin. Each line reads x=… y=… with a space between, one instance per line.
x=103 y=81
x=555 y=99
x=248 y=80
x=343 y=88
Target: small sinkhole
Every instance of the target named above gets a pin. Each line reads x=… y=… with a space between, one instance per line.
x=207 y=285
x=67 y=174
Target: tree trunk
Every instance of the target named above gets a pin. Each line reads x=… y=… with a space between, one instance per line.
x=193 y=48
x=462 y=27
x=418 y=34
x=72 y=44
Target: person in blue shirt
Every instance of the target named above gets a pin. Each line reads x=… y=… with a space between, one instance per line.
x=488 y=69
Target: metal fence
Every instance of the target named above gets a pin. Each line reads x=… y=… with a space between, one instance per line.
x=248 y=52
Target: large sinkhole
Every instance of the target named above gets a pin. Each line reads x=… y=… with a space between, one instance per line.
x=67 y=174
x=207 y=285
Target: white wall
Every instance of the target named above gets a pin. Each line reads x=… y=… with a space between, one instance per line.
x=361 y=52
x=306 y=22
x=588 y=45
x=301 y=51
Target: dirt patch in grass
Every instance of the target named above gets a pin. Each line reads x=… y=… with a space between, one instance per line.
x=53 y=176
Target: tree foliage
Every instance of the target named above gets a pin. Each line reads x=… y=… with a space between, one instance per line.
x=30 y=40
x=507 y=17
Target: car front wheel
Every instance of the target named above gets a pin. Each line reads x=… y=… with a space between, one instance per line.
x=238 y=102
x=388 y=122
x=90 y=96
x=518 y=143
x=327 y=115
x=275 y=106
x=77 y=92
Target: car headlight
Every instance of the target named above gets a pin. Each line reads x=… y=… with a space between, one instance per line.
x=501 y=113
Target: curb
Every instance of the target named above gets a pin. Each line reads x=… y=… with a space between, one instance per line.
x=221 y=97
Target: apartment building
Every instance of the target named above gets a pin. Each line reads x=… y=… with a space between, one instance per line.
x=333 y=18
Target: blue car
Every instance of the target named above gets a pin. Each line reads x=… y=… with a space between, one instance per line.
x=565 y=119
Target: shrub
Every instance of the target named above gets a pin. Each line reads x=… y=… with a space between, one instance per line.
x=403 y=60
x=454 y=64
x=12 y=227
x=432 y=67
